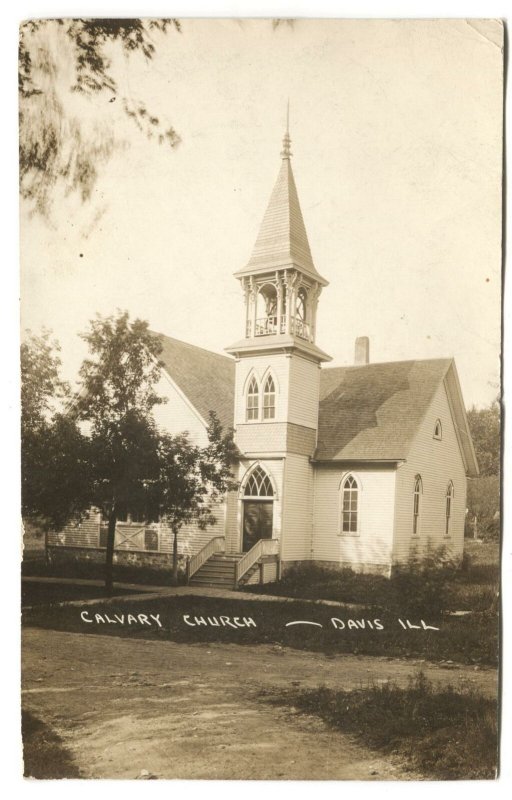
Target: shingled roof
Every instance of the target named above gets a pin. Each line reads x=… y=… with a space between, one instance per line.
x=366 y=413
x=373 y=412
x=282 y=240
x=206 y=378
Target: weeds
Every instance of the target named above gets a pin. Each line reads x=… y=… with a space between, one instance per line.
x=444 y=733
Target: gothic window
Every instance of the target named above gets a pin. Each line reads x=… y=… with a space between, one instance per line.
x=349 y=513
x=252 y=408
x=449 y=503
x=438 y=430
x=418 y=488
x=269 y=399
x=259 y=484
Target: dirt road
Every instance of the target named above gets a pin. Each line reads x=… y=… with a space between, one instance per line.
x=193 y=711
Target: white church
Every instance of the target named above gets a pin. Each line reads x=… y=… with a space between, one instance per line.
x=359 y=467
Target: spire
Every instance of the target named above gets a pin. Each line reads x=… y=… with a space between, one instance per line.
x=286 y=152
x=282 y=240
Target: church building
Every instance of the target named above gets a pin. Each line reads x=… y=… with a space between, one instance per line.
x=362 y=466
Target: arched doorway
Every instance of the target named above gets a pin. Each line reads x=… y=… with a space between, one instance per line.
x=258 y=506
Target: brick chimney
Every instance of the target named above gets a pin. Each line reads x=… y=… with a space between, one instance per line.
x=362 y=351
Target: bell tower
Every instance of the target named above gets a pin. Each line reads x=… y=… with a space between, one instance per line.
x=278 y=360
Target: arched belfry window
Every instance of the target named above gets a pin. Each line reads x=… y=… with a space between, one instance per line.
x=269 y=399
x=302 y=304
x=266 y=310
x=350 y=505
x=258 y=484
x=449 y=502
x=418 y=489
x=438 y=430
x=252 y=406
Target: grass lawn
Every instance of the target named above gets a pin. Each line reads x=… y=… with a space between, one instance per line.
x=44 y=754
x=35 y=594
x=468 y=640
x=446 y=734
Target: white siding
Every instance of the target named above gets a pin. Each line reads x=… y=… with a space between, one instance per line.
x=304 y=392
x=372 y=545
x=297 y=509
x=437 y=462
x=78 y=534
x=177 y=415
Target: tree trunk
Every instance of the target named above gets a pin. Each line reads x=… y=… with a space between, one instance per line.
x=109 y=556
x=175 y=559
x=475 y=527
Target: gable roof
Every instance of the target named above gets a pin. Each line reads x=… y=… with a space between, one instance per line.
x=282 y=239
x=374 y=411
x=206 y=378
x=366 y=413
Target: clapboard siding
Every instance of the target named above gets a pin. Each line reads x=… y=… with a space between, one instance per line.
x=261 y=437
x=297 y=509
x=84 y=533
x=177 y=415
x=372 y=544
x=232 y=531
x=304 y=392
x=437 y=462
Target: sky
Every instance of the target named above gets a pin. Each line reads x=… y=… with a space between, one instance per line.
x=397 y=155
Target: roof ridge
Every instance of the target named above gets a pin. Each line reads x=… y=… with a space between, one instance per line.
x=384 y=363
x=194 y=346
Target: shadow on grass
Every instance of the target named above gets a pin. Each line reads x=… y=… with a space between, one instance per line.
x=44 y=754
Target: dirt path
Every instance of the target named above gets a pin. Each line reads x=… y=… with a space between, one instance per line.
x=192 y=710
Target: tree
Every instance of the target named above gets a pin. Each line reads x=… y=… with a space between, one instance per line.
x=484 y=425
x=60 y=62
x=483 y=501
x=131 y=462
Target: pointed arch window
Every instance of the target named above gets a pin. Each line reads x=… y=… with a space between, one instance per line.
x=418 y=489
x=253 y=396
x=449 y=503
x=350 y=505
x=258 y=484
x=438 y=430
x=269 y=399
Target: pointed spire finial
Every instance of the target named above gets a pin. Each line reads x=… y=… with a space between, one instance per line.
x=286 y=152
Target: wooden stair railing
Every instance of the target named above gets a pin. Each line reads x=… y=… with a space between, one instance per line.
x=263 y=547
x=195 y=562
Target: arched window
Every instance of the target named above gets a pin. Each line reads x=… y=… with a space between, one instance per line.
x=266 y=310
x=252 y=407
x=449 y=503
x=438 y=430
x=349 y=512
x=269 y=399
x=258 y=484
x=418 y=488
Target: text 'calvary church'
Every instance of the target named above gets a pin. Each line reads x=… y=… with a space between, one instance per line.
x=358 y=467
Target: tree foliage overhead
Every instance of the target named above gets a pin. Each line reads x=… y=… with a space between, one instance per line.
x=59 y=58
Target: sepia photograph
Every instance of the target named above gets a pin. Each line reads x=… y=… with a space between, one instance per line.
x=261 y=290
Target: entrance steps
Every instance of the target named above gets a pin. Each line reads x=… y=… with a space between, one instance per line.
x=218 y=571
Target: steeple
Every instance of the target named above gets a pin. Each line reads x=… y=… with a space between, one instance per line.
x=280 y=281
x=282 y=241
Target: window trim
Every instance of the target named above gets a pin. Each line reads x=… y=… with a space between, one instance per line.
x=417 y=493
x=266 y=394
x=448 y=508
x=354 y=489
x=249 y=393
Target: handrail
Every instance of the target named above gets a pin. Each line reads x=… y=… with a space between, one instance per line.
x=263 y=547
x=195 y=562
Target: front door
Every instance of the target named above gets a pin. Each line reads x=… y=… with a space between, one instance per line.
x=257 y=522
